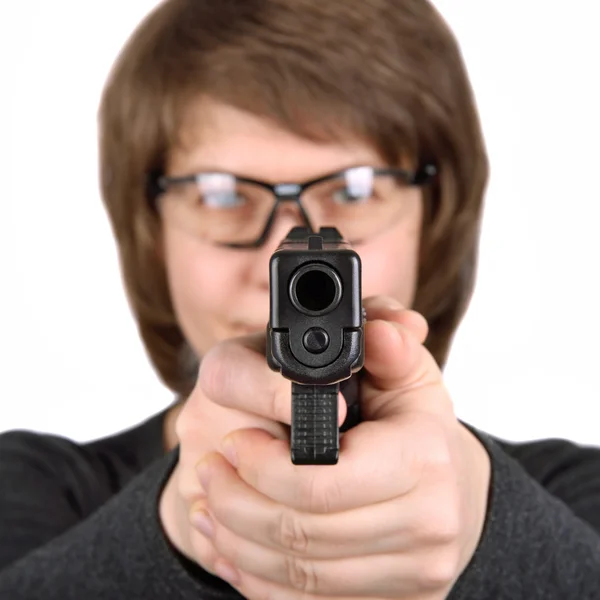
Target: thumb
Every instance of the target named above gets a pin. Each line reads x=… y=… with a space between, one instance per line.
x=389 y=309
x=400 y=373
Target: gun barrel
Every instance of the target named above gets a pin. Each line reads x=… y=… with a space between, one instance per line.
x=315 y=289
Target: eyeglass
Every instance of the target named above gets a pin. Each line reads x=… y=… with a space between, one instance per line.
x=238 y=212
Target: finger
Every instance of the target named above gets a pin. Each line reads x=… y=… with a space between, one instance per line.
x=386 y=527
x=387 y=308
x=364 y=578
x=389 y=455
x=361 y=573
x=235 y=374
x=395 y=361
x=202 y=550
x=400 y=375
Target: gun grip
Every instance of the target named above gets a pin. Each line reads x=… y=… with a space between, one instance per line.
x=315 y=438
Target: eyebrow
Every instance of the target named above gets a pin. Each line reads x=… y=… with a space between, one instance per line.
x=201 y=169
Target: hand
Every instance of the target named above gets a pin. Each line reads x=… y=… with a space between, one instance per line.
x=201 y=425
x=399 y=516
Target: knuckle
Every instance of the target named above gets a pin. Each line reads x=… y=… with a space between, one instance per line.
x=292 y=534
x=448 y=527
x=301 y=574
x=444 y=527
x=439 y=571
x=189 y=491
x=441 y=524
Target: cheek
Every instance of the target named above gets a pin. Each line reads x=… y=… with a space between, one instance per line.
x=204 y=283
x=390 y=262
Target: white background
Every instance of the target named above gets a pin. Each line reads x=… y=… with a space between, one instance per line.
x=525 y=361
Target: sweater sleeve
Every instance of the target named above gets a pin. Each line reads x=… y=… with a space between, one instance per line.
x=541 y=538
x=60 y=539
x=54 y=545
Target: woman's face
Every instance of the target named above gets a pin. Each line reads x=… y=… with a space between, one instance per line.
x=220 y=293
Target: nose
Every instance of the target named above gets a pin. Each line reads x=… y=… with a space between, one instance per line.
x=288 y=215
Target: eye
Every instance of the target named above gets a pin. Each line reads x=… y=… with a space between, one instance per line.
x=357 y=187
x=219 y=190
x=221 y=198
x=350 y=195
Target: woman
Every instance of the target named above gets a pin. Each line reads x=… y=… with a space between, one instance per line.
x=210 y=107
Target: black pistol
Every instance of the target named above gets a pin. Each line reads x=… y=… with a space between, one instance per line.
x=315 y=335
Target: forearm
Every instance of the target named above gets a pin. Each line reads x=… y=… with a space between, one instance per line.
x=533 y=546
x=118 y=552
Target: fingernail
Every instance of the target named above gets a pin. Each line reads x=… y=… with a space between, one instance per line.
x=203 y=472
x=229 y=452
x=387 y=303
x=202 y=522
x=227 y=572
x=393 y=305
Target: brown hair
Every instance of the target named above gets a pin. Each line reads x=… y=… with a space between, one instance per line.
x=385 y=71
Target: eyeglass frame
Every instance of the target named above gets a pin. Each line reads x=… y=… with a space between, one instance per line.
x=158 y=185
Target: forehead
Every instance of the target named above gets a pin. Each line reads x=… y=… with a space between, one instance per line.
x=217 y=136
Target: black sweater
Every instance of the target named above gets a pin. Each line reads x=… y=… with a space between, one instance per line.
x=80 y=522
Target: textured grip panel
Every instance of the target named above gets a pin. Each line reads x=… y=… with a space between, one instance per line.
x=315 y=438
